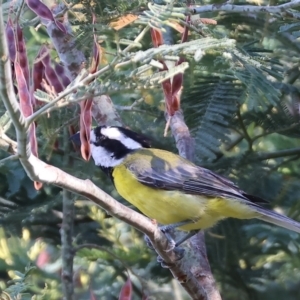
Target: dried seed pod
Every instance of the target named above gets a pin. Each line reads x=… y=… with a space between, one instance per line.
x=85 y=127
x=27 y=110
x=10 y=36
x=38 y=73
x=126 y=291
x=156 y=37
x=50 y=73
x=171 y=87
x=41 y=10
x=21 y=53
x=23 y=92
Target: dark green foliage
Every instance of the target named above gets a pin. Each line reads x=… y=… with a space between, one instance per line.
x=209 y=106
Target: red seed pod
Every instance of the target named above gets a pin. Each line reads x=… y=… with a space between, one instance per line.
x=44 y=12
x=126 y=291
x=26 y=109
x=24 y=95
x=10 y=36
x=50 y=73
x=40 y=9
x=167 y=89
x=53 y=79
x=172 y=93
x=186 y=30
x=85 y=127
x=171 y=87
x=21 y=54
x=156 y=37
x=38 y=72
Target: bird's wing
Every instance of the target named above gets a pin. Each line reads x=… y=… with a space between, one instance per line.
x=188 y=178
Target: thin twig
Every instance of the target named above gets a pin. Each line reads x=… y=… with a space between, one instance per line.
x=296 y=157
x=279 y=130
x=136 y=40
x=18 y=14
x=244 y=129
x=277 y=154
x=11 y=157
x=65 y=93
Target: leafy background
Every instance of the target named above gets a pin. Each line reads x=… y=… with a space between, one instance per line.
x=242 y=108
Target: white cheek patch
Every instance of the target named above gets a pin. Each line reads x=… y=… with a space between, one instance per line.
x=114 y=134
x=103 y=158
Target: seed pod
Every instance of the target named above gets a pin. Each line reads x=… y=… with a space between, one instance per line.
x=24 y=95
x=38 y=73
x=85 y=127
x=10 y=36
x=21 y=53
x=50 y=73
x=27 y=110
x=126 y=291
x=41 y=10
x=156 y=37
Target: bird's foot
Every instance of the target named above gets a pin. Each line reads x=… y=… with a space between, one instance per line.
x=179 y=252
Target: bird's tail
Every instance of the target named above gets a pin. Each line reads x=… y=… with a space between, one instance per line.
x=278 y=219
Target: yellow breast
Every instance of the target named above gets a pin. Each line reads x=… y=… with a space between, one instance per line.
x=168 y=207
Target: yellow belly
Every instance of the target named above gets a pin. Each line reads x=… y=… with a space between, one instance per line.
x=168 y=207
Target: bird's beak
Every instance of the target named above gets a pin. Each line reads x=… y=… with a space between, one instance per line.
x=75 y=138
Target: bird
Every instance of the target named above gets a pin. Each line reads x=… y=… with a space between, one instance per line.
x=171 y=189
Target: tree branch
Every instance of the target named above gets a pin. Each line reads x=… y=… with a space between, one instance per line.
x=277 y=154
x=245 y=8
x=196 y=253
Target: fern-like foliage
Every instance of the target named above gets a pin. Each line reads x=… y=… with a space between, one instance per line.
x=209 y=106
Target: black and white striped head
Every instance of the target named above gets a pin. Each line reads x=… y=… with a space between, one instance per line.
x=110 y=144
